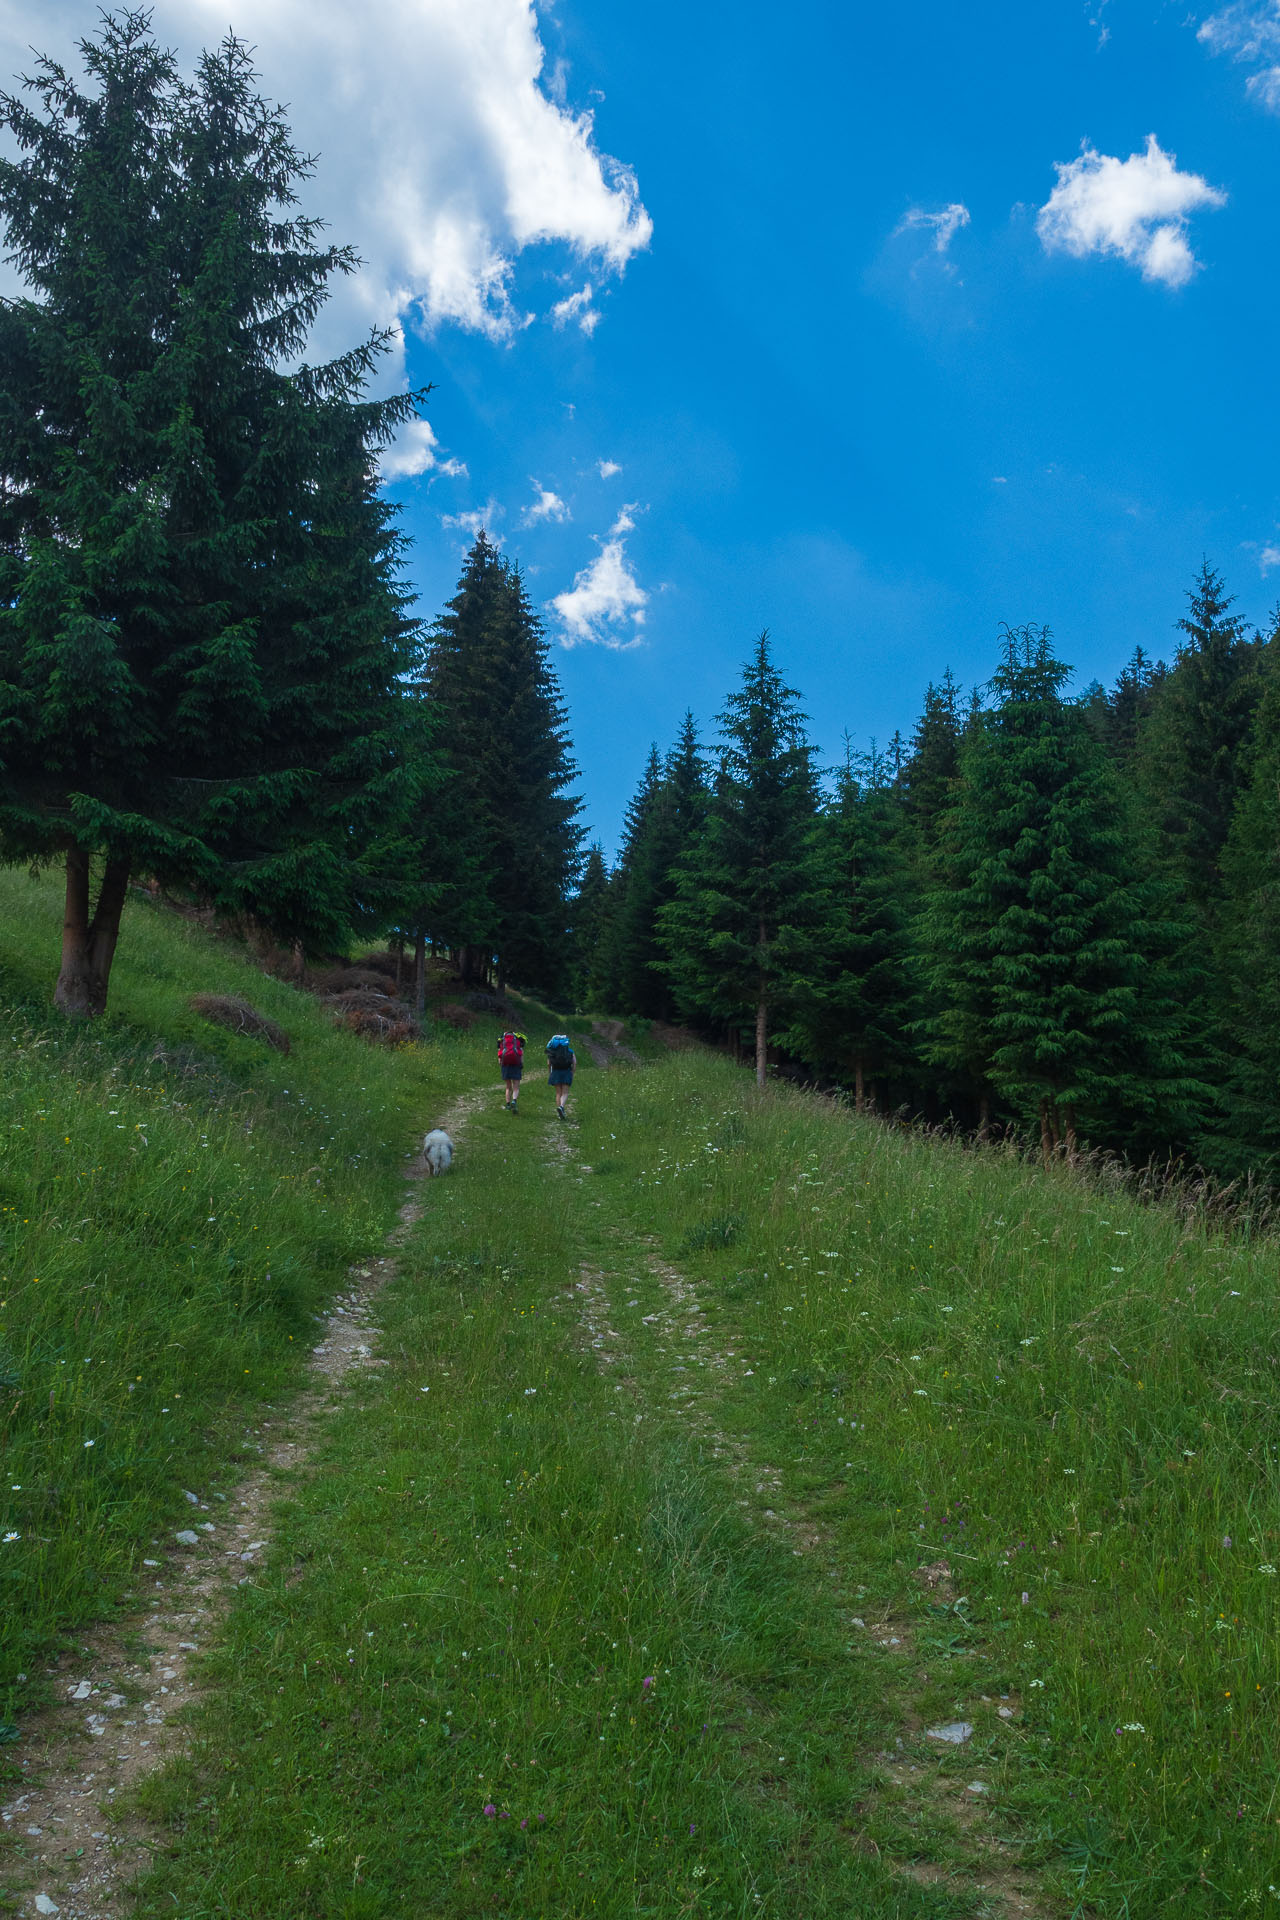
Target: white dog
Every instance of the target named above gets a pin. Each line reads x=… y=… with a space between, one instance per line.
x=437 y=1151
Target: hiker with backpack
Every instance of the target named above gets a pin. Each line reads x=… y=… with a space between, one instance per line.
x=561 y=1060
x=511 y=1066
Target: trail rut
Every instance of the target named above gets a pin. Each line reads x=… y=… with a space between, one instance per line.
x=125 y=1693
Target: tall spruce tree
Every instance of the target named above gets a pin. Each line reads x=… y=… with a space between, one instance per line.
x=202 y=630
x=1128 y=705
x=855 y=1007
x=588 y=915
x=631 y=925
x=665 y=818
x=930 y=768
x=1250 y=946
x=503 y=732
x=1190 y=762
x=1051 y=950
x=749 y=899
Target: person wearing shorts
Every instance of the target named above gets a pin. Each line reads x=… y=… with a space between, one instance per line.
x=560 y=1076
x=511 y=1067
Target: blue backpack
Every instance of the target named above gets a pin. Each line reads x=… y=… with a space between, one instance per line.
x=559 y=1052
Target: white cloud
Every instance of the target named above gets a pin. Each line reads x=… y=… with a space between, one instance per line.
x=624 y=522
x=1135 y=208
x=479 y=520
x=946 y=223
x=999 y=479
x=444 y=152
x=1268 y=559
x=547 y=506
x=415 y=450
x=606 y=604
x=1249 y=31
x=608 y=469
x=577 y=307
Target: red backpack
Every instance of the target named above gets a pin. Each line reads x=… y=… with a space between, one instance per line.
x=510 y=1051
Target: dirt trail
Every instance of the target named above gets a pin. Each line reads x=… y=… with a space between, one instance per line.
x=122 y=1716
x=697 y=1366
x=605 y=1044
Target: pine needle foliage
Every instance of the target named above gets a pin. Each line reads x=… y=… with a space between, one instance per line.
x=855 y=1009
x=504 y=735
x=743 y=926
x=202 y=626
x=1051 y=953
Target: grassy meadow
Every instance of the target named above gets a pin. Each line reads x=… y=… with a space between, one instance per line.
x=727 y=1444
x=176 y=1202
x=606 y=1601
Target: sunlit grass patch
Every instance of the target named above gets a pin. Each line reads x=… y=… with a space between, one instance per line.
x=1066 y=1394
x=176 y=1203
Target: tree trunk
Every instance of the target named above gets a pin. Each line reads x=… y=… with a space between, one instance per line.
x=89 y=941
x=1046 y=1133
x=859 y=1092
x=475 y=966
x=762 y=1041
x=398 y=948
x=420 y=972
x=1069 y=1133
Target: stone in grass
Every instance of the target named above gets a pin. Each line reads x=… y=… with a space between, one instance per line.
x=45 y=1905
x=954 y=1733
x=977 y=1786
x=187 y=1538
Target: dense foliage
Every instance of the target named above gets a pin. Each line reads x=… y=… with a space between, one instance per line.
x=202 y=628
x=1048 y=913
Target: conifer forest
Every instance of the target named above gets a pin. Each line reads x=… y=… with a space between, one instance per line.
x=1031 y=910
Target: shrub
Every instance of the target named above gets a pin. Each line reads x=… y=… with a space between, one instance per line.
x=229 y=1010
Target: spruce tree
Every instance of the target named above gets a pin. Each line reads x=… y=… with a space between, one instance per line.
x=742 y=927
x=856 y=1005
x=930 y=768
x=202 y=629
x=665 y=818
x=588 y=913
x=503 y=732
x=1190 y=761
x=1128 y=705
x=1053 y=951
x=1250 y=948
x=631 y=927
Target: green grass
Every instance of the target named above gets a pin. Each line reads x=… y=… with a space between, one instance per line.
x=1068 y=1395
x=176 y=1202
x=576 y=1618
x=518 y=1650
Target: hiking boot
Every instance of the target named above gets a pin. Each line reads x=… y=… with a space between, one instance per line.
x=560 y=1112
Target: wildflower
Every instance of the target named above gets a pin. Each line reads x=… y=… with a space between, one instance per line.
x=528 y=1391
x=1266 y=1569
x=490 y=1810
x=1132 y=1726
x=1037 y=1683
x=91 y=1443
x=11 y=1536
x=647 y=1682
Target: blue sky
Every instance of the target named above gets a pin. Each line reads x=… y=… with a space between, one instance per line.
x=899 y=326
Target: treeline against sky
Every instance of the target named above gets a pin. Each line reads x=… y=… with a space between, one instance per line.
x=1052 y=913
